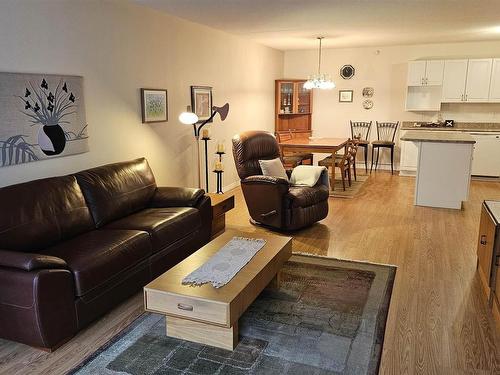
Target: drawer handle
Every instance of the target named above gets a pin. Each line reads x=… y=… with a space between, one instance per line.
x=181 y=306
x=483 y=239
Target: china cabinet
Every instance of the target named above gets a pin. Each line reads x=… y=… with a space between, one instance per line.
x=293 y=106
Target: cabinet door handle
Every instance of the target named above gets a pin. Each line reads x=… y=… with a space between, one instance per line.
x=182 y=306
x=483 y=239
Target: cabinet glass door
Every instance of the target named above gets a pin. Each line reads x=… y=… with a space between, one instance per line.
x=304 y=99
x=286 y=97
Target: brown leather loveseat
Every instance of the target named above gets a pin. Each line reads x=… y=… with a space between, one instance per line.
x=72 y=247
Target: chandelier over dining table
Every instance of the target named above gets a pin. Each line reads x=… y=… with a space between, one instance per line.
x=319 y=81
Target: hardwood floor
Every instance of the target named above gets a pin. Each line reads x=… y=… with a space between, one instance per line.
x=438 y=321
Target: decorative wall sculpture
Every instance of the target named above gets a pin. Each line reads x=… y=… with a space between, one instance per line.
x=41 y=116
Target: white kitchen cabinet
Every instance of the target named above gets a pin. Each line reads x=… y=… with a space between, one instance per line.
x=486 y=157
x=416 y=73
x=495 y=82
x=425 y=73
x=478 y=80
x=454 y=80
x=408 y=159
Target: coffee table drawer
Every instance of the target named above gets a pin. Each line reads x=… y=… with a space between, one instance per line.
x=188 y=307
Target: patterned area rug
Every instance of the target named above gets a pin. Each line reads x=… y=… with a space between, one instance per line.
x=350 y=191
x=328 y=317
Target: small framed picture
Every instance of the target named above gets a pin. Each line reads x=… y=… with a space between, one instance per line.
x=345 y=96
x=201 y=102
x=154 y=105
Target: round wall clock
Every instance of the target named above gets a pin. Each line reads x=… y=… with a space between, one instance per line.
x=347 y=71
x=368 y=104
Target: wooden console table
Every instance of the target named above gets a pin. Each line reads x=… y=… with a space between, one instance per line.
x=221 y=203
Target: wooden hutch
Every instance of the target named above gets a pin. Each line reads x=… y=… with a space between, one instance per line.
x=293 y=107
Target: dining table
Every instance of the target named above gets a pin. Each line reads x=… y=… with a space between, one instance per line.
x=315 y=145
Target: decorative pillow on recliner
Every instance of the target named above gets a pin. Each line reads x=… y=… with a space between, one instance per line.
x=273 y=168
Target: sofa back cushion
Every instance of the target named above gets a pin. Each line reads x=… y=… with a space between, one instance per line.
x=40 y=213
x=116 y=190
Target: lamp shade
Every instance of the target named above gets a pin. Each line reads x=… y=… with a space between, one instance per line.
x=223 y=111
x=188 y=117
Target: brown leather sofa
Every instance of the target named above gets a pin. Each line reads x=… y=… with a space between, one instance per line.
x=72 y=247
x=271 y=201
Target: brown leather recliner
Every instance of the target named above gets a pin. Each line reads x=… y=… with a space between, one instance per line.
x=271 y=201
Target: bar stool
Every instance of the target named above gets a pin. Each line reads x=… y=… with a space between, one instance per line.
x=362 y=129
x=386 y=132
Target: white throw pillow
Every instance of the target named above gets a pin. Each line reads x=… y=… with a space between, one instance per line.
x=273 y=168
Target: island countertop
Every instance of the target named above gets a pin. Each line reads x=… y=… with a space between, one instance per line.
x=431 y=136
x=494 y=207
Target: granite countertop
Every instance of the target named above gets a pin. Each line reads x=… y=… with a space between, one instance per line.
x=487 y=127
x=494 y=207
x=430 y=136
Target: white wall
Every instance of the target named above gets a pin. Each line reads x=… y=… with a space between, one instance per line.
x=120 y=47
x=386 y=73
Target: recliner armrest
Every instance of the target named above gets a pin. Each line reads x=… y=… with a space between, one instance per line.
x=176 y=197
x=30 y=261
x=260 y=179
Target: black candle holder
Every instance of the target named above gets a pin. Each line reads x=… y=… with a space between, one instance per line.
x=206 y=162
x=219 y=174
x=219 y=181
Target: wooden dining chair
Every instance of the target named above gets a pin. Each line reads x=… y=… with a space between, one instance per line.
x=342 y=162
x=386 y=132
x=292 y=159
x=362 y=129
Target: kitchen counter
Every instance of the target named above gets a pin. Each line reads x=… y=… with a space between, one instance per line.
x=431 y=136
x=443 y=168
x=486 y=127
x=494 y=207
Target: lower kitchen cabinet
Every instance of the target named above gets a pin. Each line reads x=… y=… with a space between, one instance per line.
x=488 y=255
x=486 y=159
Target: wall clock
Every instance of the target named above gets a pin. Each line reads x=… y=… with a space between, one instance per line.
x=347 y=71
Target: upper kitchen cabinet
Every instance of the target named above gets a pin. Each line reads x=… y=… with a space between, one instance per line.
x=495 y=81
x=477 y=88
x=425 y=73
x=467 y=80
x=454 y=80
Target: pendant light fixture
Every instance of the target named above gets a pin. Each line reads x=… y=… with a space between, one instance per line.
x=319 y=81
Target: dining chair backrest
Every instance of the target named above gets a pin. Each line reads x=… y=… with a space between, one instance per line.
x=352 y=147
x=283 y=136
x=386 y=131
x=361 y=128
x=347 y=154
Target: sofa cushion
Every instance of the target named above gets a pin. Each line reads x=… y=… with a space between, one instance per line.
x=117 y=190
x=164 y=225
x=100 y=256
x=40 y=213
x=303 y=196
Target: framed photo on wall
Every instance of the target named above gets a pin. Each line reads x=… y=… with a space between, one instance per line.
x=201 y=102
x=154 y=105
x=345 y=96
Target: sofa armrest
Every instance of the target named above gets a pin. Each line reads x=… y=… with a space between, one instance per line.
x=260 y=179
x=176 y=197
x=30 y=261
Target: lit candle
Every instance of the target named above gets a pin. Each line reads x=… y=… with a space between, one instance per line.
x=220 y=147
x=218 y=166
x=205 y=133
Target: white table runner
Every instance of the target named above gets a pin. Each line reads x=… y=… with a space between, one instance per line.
x=226 y=263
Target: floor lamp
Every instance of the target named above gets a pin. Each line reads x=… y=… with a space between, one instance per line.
x=190 y=118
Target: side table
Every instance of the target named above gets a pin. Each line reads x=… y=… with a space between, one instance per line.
x=221 y=203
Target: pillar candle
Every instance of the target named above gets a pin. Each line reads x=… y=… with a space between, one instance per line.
x=205 y=133
x=220 y=147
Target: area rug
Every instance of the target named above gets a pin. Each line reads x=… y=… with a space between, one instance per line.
x=350 y=191
x=327 y=317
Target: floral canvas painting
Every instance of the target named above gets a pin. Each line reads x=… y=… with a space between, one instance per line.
x=41 y=116
x=154 y=105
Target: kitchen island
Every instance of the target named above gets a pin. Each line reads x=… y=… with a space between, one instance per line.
x=443 y=167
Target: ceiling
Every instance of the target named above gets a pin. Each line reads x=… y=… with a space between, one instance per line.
x=294 y=24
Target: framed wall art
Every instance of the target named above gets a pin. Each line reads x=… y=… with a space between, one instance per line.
x=345 y=96
x=154 y=105
x=201 y=102
x=41 y=116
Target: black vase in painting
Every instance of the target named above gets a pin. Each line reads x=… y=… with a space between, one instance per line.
x=51 y=139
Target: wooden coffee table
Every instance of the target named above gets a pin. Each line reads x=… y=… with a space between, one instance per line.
x=208 y=315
